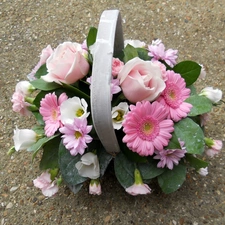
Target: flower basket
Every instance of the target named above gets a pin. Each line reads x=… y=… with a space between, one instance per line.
x=107 y=100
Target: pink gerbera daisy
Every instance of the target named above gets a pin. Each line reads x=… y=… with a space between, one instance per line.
x=50 y=110
x=174 y=95
x=76 y=136
x=147 y=128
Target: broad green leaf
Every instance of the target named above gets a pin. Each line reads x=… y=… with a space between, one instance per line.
x=173 y=143
x=149 y=169
x=200 y=104
x=39 y=144
x=124 y=170
x=39 y=129
x=189 y=70
x=41 y=71
x=49 y=158
x=67 y=166
x=195 y=162
x=171 y=180
x=74 y=188
x=191 y=133
x=104 y=159
x=39 y=118
x=193 y=89
x=91 y=38
x=129 y=53
x=143 y=54
x=44 y=86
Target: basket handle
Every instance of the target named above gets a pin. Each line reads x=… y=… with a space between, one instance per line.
x=109 y=40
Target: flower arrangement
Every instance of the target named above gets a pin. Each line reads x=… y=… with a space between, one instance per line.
x=157 y=114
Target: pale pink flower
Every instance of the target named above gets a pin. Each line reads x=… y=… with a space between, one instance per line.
x=169 y=157
x=88 y=166
x=204 y=118
x=47 y=186
x=174 y=95
x=67 y=64
x=24 y=87
x=214 y=95
x=117 y=65
x=95 y=187
x=141 y=80
x=147 y=128
x=50 y=110
x=84 y=45
x=45 y=54
x=157 y=52
x=19 y=104
x=215 y=147
x=24 y=138
x=203 y=171
x=75 y=136
x=138 y=188
x=134 y=43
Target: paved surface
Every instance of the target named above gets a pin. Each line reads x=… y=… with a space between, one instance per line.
x=195 y=28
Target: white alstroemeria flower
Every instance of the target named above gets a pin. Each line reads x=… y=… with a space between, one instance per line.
x=118 y=113
x=202 y=72
x=73 y=108
x=203 y=171
x=89 y=166
x=135 y=43
x=214 y=95
x=24 y=138
x=24 y=87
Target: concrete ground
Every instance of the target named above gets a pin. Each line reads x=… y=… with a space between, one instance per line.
x=195 y=28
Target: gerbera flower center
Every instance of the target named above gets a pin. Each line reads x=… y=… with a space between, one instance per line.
x=149 y=128
x=79 y=112
x=54 y=114
x=172 y=95
x=77 y=134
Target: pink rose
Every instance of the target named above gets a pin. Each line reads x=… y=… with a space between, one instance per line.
x=141 y=80
x=67 y=64
x=117 y=65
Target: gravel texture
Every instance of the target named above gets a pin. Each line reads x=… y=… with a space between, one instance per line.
x=195 y=28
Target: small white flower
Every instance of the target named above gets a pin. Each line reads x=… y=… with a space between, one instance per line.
x=24 y=87
x=203 y=72
x=95 y=187
x=24 y=138
x=89 y=166
x=156 y=42
x=214 y=95
x=203 y=171
x=118 y=113
x=135 y=43
x=73 y=108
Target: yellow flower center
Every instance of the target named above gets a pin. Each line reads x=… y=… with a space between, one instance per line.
x=54 y=114
x=77 y=134
x=79 y=112
x=119 y=117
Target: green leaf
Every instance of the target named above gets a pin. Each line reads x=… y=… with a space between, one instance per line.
x=193 y=89
x=124 y=170
x=39 y=118
x=173 y=143
x=195 y=162
x=39 y=129
x=49 y=158
x=44 y=86
x=74 y=188
x=143 y=54
x=191 y=133
x=41 y=71
x=104 y=159
x=200 y=104
x=39 y=144
x=129 y=53
x=91 y=38
x=150 y=170
x=189 y=70
x=67 y=166
x=171 y=180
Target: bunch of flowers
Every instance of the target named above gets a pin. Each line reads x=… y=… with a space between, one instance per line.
x=157 y=114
